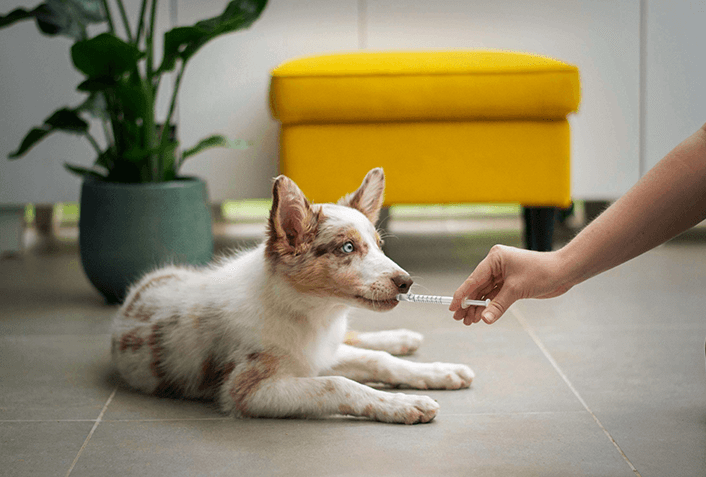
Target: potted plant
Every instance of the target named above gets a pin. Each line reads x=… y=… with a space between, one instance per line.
x=137 y=211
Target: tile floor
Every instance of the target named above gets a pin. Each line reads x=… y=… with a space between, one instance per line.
x=607 y=380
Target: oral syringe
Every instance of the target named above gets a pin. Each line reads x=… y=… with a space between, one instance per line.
x=439 y=300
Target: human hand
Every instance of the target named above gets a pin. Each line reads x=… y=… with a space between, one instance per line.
x=506 y=275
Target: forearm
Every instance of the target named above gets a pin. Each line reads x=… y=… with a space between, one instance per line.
x=668 y=200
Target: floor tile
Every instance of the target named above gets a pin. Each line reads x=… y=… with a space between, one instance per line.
x=54 y=377
x=563 y=444
x=630 y=342
x=670 y=442
x=31 y=449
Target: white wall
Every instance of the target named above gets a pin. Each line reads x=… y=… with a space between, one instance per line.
x=675 y=63
x=225 y=87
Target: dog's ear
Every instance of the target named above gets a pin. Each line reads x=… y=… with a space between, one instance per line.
x=292 y=222
x=369 y=196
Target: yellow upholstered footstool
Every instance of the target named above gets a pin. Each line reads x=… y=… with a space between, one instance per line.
x=447 y=127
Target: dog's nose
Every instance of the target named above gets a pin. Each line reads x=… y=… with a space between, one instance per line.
x=402 y=282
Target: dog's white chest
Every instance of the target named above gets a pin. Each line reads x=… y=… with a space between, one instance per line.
x=321 y=351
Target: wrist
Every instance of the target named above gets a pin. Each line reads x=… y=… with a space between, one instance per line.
x=568 y=266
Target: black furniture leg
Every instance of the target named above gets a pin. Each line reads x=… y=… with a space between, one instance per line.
x=539 y=228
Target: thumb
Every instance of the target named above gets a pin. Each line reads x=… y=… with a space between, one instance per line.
x=498 y=305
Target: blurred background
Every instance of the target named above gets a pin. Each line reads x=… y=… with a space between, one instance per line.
x=639 y=62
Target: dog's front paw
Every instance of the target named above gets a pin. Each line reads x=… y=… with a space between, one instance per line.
x=402 y=342
x=406 y=409
x=441 y=376
x=396 y=342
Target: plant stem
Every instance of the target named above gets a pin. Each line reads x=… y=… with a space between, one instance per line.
x=164 y=139
x=150 y=42
x=141 y=25
x=126 y=22
x=149 y=133
x=108 y=16
x=93 y=142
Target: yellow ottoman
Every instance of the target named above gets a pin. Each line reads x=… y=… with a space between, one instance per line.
x=447 y=127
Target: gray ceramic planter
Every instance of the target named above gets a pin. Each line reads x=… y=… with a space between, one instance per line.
x=126 y=230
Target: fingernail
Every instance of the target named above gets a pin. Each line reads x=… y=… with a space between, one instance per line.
x=488 y=317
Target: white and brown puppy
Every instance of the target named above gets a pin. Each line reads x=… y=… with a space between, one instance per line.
x=263 y=332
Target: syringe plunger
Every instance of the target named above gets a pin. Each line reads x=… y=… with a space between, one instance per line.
x=439 y=300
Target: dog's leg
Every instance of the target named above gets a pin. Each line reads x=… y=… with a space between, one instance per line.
x=370 y=366
x=397 y=342
x=259 y=388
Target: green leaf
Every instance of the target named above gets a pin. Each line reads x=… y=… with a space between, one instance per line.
x=104 y=56
x=183 y=42
x=32 y=137
x=95 y=106
x=67 y=120
x=169 y=161
x=63 y=119
x=96 y=84
x=175 y=41
x=84 y=171
x=16 y=15
x=105 y=159
x=214 y=141
x=238 y=14
x=60 y=17
x=132 y=99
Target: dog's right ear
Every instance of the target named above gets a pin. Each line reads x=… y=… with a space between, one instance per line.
x=292 y=222
x=369 y=197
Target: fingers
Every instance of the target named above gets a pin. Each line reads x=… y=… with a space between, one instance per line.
x=481 y=279
x=498 y=305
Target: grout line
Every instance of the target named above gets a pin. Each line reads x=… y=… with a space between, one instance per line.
x=16 y=421
x=6 y=421
x=521 y=319
x=518 y=413
x=176 y=419
x=93 y=429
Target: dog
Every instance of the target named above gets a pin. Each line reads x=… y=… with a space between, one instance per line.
x=262 y=332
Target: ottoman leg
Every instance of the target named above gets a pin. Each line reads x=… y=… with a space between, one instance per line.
x=539 y=228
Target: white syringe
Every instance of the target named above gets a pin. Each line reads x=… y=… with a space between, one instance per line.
x=439 y=300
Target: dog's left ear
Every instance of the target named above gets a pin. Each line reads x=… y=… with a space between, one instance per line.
x=292 y=221
x=369 y=196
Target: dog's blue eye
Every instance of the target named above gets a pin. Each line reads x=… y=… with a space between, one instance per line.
x=347 y=247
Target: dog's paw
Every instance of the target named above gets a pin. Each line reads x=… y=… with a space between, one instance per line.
x=440 y=376
x=404 y=409
x=397 y=342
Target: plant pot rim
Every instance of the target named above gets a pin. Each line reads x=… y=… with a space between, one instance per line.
x=179 y=182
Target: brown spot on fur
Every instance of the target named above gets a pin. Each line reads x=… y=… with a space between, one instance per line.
x=368 y=411
x=155 y=344
x=144 y=313
x=351 y=338
x=195 y=320
x=261 y=366
x=345 y=409
x=149 y=284
x=333 y=244
x=131 y=340
x=292 y=224
x=214 y=373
